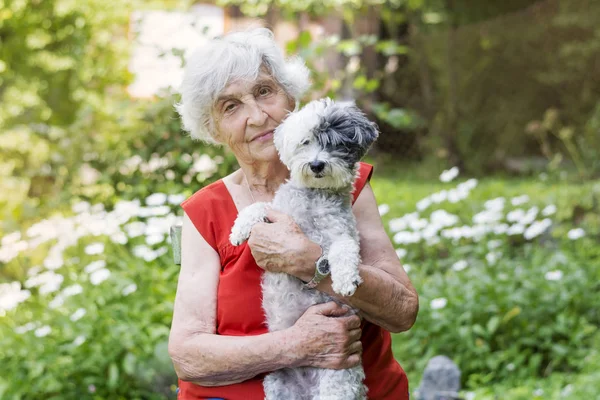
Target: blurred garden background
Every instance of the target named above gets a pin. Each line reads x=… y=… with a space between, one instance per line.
x=487 y=176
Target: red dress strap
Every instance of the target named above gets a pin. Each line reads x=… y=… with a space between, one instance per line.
x=364 y=175
x=206 y=208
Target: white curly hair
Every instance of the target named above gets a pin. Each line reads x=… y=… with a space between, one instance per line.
x=237 y=55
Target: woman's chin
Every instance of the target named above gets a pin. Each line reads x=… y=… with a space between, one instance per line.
x=266 y=152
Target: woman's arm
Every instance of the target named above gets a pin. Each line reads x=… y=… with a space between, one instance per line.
x=201 y=356
x=198 y=354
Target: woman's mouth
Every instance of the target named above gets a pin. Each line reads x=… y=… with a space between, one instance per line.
x=264 y=137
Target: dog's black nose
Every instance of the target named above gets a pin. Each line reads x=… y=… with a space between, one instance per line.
x=317 y=166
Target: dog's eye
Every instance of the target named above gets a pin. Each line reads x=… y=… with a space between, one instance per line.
x=306 y=142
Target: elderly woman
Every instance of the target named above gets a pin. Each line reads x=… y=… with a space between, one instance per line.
x=236 y=90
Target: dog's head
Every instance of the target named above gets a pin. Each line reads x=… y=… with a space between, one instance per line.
x=322 y=142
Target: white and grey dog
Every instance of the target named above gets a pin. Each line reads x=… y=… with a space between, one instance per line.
x=321 y=145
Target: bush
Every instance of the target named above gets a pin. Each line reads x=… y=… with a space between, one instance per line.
x=505 y=284
x=97 y=309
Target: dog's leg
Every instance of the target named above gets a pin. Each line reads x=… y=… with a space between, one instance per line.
x=245 y=220
x=280 y=384
x=344 y=258
x=343 y=384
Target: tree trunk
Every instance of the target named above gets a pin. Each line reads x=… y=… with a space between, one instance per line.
x=450 y=131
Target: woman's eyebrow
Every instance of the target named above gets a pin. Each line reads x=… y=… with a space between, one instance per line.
x=264 y=81
x=225 y=97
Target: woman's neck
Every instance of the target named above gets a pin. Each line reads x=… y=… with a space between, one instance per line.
x=264 y=178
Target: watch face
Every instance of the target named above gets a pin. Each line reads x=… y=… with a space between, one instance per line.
x=323 y=266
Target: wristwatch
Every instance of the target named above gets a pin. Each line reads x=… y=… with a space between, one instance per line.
x=321 y=271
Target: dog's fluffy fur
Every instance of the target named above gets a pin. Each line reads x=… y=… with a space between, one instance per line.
x=320 y=201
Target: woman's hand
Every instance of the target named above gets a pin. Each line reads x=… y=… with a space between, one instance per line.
x=280 y=246
x=328 y=338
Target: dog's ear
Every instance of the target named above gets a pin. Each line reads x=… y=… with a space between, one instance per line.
x=345 y=124
x=365 y=131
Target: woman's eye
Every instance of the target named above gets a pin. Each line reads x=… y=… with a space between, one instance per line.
x=264 y=91
x=229 y=107
x=306 y=142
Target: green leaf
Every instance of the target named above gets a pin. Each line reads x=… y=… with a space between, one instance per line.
x=372 y=85
x=415 y=4
x=511 y=314
x=492 y=324
x=478 y=329
x=113 y=375
x=360 y=82
x=129 y=364
x=304 y=39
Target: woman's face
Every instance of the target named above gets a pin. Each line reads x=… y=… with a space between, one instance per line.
x=246 y=113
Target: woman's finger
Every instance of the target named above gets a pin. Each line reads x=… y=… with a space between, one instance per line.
x=353 y=360
x=330 y=308
x=355 y=348
x=352 y=322
x=354 y=335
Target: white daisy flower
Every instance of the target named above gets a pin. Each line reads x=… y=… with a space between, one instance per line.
x=460 y=265
x=79 y=340
x=99 y=276
x=439 y=303
x=156 y=199
x=154 y=239
x=94 y=266
x=57 y=301
x=43 y=331
x=423 y=204
x=576 y=233
x=11 y=295
x=494 y=244
x=383 y=209
x=449 y=175
x=78 y=314
x=537 y=228
x=492 y=257
x=176 y=199
x=439 y=197
x=554 y=275
x=11 y=238
x=26 y=328
x=127 y=290
x=119 y=238
x=94 y=248
x=72 y=290
x=135 y=229
x=519 y=200
x=549 y=210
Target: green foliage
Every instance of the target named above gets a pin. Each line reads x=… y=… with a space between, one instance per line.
x=557 y=386
x=62 y=62
x=109 y=341
x=505 y=306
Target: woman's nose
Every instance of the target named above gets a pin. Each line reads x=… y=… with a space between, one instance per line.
x=257 y=116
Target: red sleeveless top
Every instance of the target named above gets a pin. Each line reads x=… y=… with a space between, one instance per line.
x=239 y=302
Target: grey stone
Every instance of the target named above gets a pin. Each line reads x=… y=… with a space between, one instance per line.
x=441 y=380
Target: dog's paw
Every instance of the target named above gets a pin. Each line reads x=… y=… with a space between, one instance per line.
x=346 y=286
x=237 y=237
